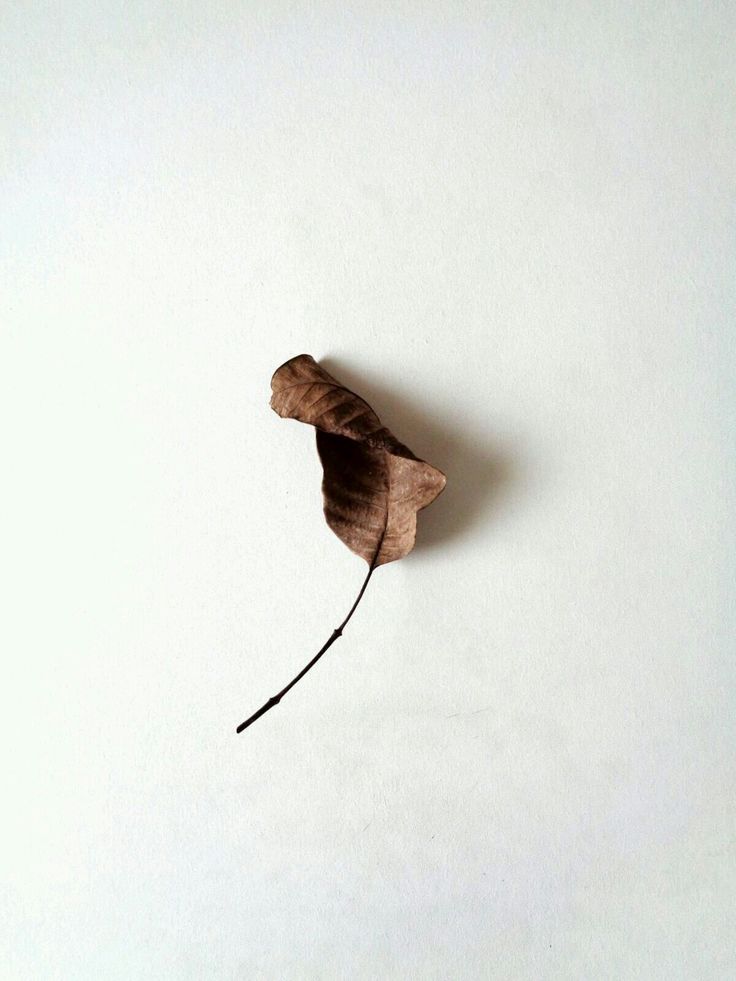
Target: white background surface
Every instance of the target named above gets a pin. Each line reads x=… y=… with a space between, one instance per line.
x=511 y=228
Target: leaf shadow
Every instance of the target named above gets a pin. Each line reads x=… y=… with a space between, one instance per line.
x=479 y=475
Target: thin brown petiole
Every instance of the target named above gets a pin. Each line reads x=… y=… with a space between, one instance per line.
x=337 y=632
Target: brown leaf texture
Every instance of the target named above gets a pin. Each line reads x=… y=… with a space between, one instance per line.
x=373 y=485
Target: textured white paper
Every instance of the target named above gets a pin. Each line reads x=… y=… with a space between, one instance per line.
x=511 y=228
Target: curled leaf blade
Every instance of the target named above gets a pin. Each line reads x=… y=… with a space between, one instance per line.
x=373 y=485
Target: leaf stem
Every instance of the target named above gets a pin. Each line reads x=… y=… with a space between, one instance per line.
x=337 y=632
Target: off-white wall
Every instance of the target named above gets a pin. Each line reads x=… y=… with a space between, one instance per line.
x=510 y=226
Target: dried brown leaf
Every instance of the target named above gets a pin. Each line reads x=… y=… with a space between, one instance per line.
x=373 y=485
